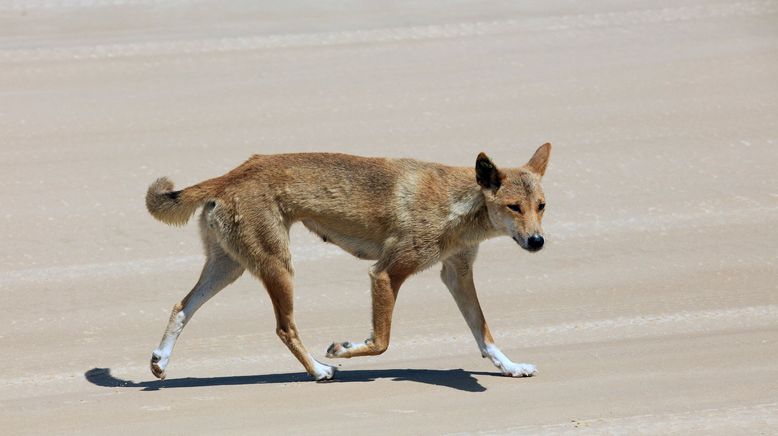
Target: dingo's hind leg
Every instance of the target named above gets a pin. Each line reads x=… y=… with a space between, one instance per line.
x=266 y=255
x=219 y=271
x=277 y=278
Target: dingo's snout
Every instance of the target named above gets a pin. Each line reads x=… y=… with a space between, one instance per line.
x=535 y=242
x=532 y=243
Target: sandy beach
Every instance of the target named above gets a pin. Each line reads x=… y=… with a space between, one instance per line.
x=653 y=307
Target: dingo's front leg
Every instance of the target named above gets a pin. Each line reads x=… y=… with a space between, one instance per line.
x=385 y=286
x=219 y=271
x=457 y=274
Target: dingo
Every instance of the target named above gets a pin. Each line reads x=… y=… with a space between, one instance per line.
x=404 y=214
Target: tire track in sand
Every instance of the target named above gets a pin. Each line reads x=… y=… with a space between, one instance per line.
x=386 y=35
x=611 y=329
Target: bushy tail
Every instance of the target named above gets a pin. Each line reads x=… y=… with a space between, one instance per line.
x=175 y=207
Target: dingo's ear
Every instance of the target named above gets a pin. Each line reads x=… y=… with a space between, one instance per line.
x=486 y=173
x=539 y=160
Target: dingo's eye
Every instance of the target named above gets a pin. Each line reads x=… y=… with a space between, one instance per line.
x=541 y=206
x=515 y=207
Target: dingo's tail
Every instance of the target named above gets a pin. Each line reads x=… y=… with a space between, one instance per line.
x=176 y=207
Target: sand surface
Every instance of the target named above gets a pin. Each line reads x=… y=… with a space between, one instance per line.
x=653 y=307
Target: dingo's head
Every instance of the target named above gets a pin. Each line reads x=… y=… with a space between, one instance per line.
x=514 y=197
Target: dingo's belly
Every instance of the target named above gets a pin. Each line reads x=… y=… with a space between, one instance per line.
x=354 y=244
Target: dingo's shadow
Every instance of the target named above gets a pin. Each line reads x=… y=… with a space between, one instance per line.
x=452 y=378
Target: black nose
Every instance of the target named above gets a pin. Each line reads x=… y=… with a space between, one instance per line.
x=535 y=242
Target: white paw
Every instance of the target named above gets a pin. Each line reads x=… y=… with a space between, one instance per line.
x=323 y=372
x=158 y=365
x=339 y=349
x=519 y=370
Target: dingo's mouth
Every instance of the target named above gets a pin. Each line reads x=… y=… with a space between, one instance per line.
x=525 y=244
